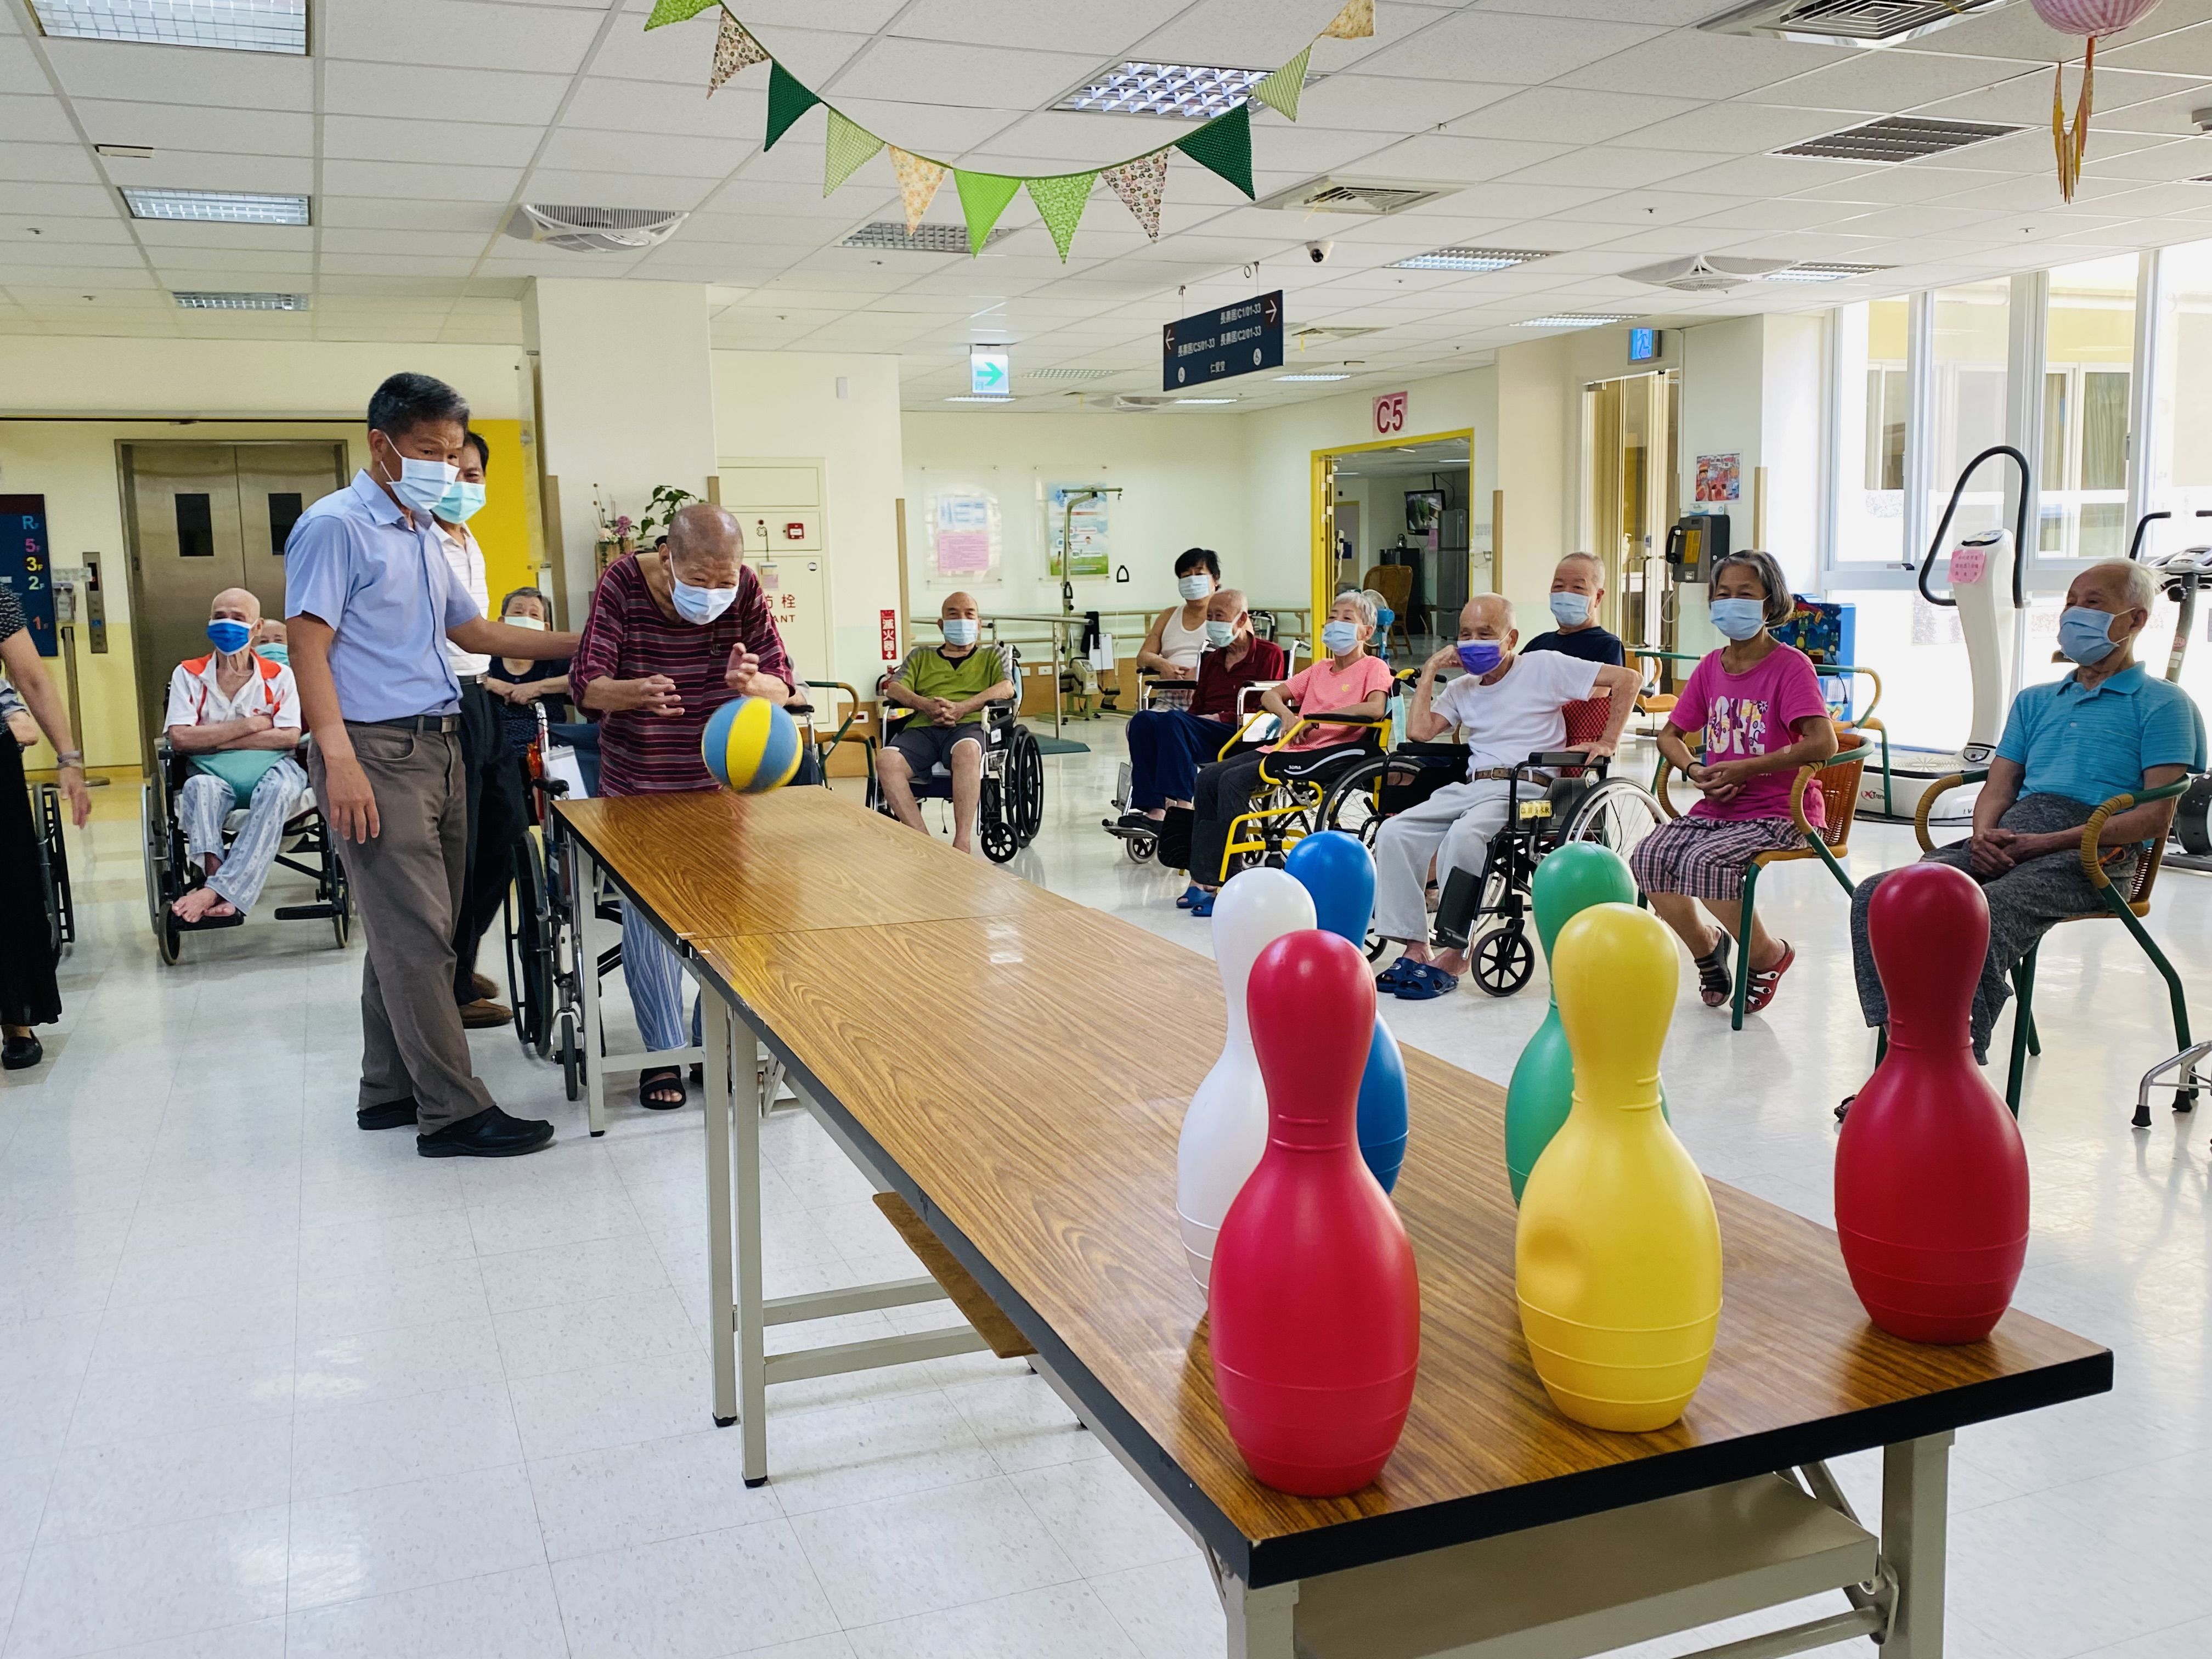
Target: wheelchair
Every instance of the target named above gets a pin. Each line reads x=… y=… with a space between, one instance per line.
x=305 y=849
x=1140 y=842
x=1011 y=810
x=53 y=866
x=1552 y=798
x=1295 y=789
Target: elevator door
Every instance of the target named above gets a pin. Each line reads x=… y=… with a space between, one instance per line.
x=201 y=518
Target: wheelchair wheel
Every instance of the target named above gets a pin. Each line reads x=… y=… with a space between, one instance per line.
x=529 y=961
x=2192 y=820
x=340 y=898
x=1617 y=815
x=999 y=842
x=1355 y=806
x=1502 y=960
x=1025 y=781
x=1140 y=847
x=161 y=872
x=572 y=1059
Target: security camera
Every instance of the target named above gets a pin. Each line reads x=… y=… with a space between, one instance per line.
x=1318 y=251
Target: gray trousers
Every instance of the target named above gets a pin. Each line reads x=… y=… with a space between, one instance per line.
x=2025 y=903
x=206 y=800
x=407 y=881
x=1454 y=827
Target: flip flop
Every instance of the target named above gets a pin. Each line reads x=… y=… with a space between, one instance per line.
x=1424 y=981
x=1763 y=979
x=1191 y=895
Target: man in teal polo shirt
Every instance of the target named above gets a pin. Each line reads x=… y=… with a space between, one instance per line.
x=2107 y=729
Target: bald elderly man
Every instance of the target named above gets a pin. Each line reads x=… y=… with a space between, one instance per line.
x=236 y=714
x=946 y=686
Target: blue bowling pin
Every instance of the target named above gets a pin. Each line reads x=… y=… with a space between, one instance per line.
x=1340 y=873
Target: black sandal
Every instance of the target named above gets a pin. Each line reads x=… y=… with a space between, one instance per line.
x=654 y=1087
x=1714 y=983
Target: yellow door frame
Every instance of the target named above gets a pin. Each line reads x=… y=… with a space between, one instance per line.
x=1324 y=510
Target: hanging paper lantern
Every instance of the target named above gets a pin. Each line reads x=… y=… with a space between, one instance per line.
x=2090 y=19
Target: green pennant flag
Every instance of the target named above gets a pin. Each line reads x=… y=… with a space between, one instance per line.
x=1223 y=145
x=676 y=11
x=1060 y=199
x=787 y=101
x=1280 y=90
x=850 y=145
x=983 y=198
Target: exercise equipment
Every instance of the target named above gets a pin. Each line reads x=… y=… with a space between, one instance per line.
x=1339 y=871
x=2182 y=577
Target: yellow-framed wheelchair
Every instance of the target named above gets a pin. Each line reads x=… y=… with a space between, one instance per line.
x=1294 y=790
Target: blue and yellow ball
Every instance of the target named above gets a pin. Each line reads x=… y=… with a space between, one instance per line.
x=751 y=745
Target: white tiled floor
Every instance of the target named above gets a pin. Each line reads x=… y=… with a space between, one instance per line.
x=270 y=1386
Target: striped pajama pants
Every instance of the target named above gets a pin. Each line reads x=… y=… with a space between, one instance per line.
x=655 y=979
x=206 y=800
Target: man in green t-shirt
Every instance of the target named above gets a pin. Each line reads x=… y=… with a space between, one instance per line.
x=946 y=686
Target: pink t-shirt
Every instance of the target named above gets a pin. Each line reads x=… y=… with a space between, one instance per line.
x=1743 y=716
x=1324 y=686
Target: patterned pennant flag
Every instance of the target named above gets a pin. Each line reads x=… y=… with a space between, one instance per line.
x=734 y=50
x=1060 y=199
x=1355 y=22
x=1140 y=185
x=983 y=198
x=918 y=180
x=1280 y=90
x=786 y=101
x=850 y=146
x=676 y=11
x=1223 y=145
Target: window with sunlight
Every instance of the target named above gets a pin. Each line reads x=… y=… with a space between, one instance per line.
x=2181 y=446
x=1870 y=431
x=2088 y=353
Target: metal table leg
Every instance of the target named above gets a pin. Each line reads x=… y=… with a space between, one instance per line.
x=715 y=1019
x=1262 y=1621
x=752 y=1368
x=592 y=1038
x=1916 y=1484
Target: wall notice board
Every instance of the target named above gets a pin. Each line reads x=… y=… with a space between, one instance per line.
x=27 y=565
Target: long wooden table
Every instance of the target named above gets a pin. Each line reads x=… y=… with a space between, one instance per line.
x=1031 y=1118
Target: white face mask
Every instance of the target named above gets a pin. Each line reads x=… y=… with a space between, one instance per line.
x=699 y=605
x=530 y=622
x=961 y=630
x=1195 y=586
x=461 y=502
x=421 y=485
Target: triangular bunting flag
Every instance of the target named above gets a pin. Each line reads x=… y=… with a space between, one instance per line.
x=983 y=198
x=1280 y=90
x=1355 y=22
x=734 y=50
x=1223 y=145
x=675 y=11
x=1059 y=200
x=918 y=180
x=786 y=101
x=1140 y=185
x=849 y=146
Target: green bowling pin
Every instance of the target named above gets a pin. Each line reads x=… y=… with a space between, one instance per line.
x=1568 y=881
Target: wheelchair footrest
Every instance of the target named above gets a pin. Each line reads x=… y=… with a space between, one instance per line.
x=208 y=924
x=1456 y=908
x=304 y=912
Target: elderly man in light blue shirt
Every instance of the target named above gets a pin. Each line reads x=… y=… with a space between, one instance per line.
x=369 y=602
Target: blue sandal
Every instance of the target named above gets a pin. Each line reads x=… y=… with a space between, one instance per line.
x=1203 y=904
x=1393 y=977
x=1423 y=981
x=1191 y=895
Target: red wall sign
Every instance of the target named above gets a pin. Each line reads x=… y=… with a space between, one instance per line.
x=1389 y=414
x=889 y=626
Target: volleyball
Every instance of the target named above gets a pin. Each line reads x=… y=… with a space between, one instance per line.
x=751 y=745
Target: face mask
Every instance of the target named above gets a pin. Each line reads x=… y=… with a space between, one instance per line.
x=229 y=636
x=1220 y=634
x=461 y=503
x=1196 y=585
x=1570 y=610
x=1739 y=619
x=1339 y=636
x=961 y=631
x=700 y=605
x=422 y=485
x=274 y=653
x=2086 y=635
x=1479 y=656
x=530 y=622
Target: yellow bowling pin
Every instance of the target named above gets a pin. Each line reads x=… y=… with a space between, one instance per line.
x=1617 y=1260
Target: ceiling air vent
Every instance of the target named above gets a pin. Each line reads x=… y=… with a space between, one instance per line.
x=923 y=239
x=1137 y=404
x=1703 y=273
x=1318 y=332
x=1066 y=374
x=594 y=229
x=1900 y=139
x=1847 y=22
x=1369 y=197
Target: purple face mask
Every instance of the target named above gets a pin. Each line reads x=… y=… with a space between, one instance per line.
x=1479 y=656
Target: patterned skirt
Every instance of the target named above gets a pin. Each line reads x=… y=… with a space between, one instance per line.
x=1705 y=858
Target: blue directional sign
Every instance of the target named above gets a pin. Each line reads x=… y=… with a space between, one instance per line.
x=990 y=373
x=1215 y=345
x=25 y=567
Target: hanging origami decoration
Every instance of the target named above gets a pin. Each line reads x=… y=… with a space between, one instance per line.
x=735 y=49
x=918 y=180
x=2090 y=19
x=1140 y=185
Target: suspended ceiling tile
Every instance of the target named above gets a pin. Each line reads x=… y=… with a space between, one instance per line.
x=853 y=17
x=438 y=143
x=2033 y=195
x=400 y=215
x=574 y=150
x=419 y=180
x=173 y=259
x=61 y=164
x=553 y=39
x=154 y=75
x=173 y=169
x=398 y=264
x=1104 y=27
x=2177 y=52
x=1888 y=186
x=1891 y=81
x=1672 y=14
x=984 y=77
x=816 y=56
x=1623 y=166
x=2167 y=117
x=427 y=93
x=36 y=199
x=617 y=189
x=1437 y=156
x=1505 y=46
x=48 y=253
x=1794 y=214
x=34 y=118
x=167 y=127
x=19 y=228
x=2025 y=99
x=160 y=235
x=684 y=111
x=1263 y=34
x=675 y=55
x=1381 y=104
x=1560 y=114
x=1718 y=65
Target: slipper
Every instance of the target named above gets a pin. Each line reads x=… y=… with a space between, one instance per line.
x=1191 y=895
x=1424 y=981
x=1202 y=905
x=1715 y=986
x=653 y=1086
x=1393 y=977
x=1763 y=979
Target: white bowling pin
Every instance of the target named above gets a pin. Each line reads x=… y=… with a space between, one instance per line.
x=1225 y=1130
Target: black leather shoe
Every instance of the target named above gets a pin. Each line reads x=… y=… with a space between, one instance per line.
x=20 y=1054
x=388 y=1114
x=490 y=1134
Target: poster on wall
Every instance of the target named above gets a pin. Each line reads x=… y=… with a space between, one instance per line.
x=24 y=566
x=1720 y=477
x=963 y=534
x=1086 y=527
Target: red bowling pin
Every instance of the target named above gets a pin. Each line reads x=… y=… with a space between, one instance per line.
x=1931 y=1179
x=1317 y=1316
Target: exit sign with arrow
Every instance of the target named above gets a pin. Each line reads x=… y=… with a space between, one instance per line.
x=990 y=374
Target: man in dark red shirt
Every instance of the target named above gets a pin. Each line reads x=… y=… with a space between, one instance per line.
x=674 y=634
x=1168 y=745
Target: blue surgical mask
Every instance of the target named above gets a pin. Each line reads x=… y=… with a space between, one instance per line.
x=1220 y=634
x=1195 y=586
x=422 y=485
x=2086 y=635
x=1571 y=609
x=461 y=503
x=1339 y=636
x=1738 y=619
x=277 y=653
x=700 y=605
x=961 y=631
x=1479 y=656
x=229 y=635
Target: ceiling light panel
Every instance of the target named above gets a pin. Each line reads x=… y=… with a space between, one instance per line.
x=1570 y=320
x=228 y=207
x=204 y=300
x=1192 y=92
x=923 y=239
x=1468 y=259
x=1820 y=271
x=279 y=26
x=982 y=397
x=1313 y=377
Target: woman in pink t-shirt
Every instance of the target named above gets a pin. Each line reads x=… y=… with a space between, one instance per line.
x=1756 y=707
